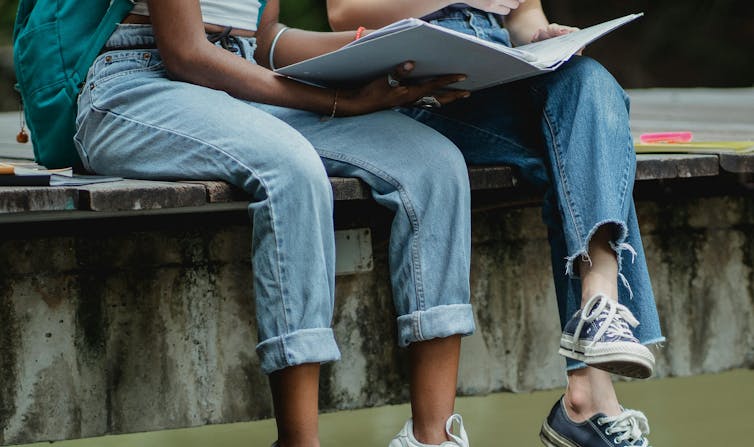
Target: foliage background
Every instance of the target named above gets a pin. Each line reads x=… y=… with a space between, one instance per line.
x=679 y=43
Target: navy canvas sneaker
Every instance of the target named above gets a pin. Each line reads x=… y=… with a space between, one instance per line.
x=625 y=430
x=600 y=335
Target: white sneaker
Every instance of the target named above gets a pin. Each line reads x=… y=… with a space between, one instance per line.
x=405 y=438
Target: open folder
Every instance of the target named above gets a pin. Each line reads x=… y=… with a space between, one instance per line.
x=437 y=51
x=31 y=174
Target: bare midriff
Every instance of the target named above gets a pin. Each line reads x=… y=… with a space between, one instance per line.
x=208 y=27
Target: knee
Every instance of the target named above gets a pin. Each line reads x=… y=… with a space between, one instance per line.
x=454 y=170
x=590 y=80
x=295 y=171
x=592 y=90
x=442 y=172
x=588 y=71
x=305 y=176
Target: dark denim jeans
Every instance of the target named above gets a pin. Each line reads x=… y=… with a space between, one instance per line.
x=566 y=132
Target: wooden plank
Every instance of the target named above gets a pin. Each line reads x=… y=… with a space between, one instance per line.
x=491 y=177
x=737 y=163
x=16 y=199
x=670 y=166
x=141 y=195
x=480 y=177
x=345 y=188
x=220 y=192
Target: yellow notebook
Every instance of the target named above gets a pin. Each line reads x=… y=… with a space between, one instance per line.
x=701 y=147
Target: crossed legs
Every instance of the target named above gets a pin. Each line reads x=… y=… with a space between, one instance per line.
x=590 y=390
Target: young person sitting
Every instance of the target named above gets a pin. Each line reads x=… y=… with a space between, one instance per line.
x=568 y=133
x=183 y=90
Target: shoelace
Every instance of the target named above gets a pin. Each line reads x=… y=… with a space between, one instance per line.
x=632 y=426
x=461 y=439
x=617 y=320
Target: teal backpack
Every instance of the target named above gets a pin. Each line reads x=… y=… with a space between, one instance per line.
x=54 y=43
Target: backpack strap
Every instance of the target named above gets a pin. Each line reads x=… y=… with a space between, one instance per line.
x=115 y=13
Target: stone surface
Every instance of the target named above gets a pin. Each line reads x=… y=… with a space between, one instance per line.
x=112 y=329
x=15 y=199
x=670 y=166
x=737 y=163
x=130 y=195
x=139 y=195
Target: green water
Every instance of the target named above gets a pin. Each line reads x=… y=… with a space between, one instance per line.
x=710 y=411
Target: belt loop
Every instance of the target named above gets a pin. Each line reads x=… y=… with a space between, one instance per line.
x=493 y=20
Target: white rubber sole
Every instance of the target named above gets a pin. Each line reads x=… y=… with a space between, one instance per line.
x=551 y=438
x=622 y=358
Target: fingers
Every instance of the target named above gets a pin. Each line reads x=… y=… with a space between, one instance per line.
x=389 y=91
x=506 y=6
x=502 y=7
x=552 y=30
x=403 y=70
x=561 y=29
x=437 y=90
x=438 y=83
x=448 y=96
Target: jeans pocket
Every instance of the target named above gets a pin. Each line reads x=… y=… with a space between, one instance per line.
x=116 y=73
x=121 y=63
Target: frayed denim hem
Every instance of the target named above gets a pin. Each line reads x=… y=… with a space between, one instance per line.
x=618 y=246
x=297 y=348
x=573 y=365
x=436 y=322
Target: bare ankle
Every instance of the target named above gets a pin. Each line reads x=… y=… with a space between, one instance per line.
x=298 y=443
x=590 y=391
x=430 y=435
x=578 y=405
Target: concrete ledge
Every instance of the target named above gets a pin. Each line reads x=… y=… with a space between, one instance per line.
x=141 y=195
x=116 y=328
x=737 y=163
x=18 y=199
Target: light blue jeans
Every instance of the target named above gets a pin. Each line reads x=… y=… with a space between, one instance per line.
x=134 y=121
x=566 y=132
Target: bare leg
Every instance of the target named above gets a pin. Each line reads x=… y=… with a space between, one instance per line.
x=601 y=275
x=295 y=394
x=590 y=390
x=434 y=376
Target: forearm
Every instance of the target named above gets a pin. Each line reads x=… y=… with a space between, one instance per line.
x=221 y=70
x=523 y=23
x=350 y=14
x=190 y=57
x=295 y=45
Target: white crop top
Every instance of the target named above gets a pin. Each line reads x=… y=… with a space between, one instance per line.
x=241 y=14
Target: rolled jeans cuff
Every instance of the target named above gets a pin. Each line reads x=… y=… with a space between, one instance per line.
x=435 y=322
x=297 y=348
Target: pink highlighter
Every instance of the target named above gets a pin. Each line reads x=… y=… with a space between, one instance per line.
x=665 y=137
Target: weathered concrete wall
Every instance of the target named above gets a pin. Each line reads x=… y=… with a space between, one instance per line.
x=114 y=331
